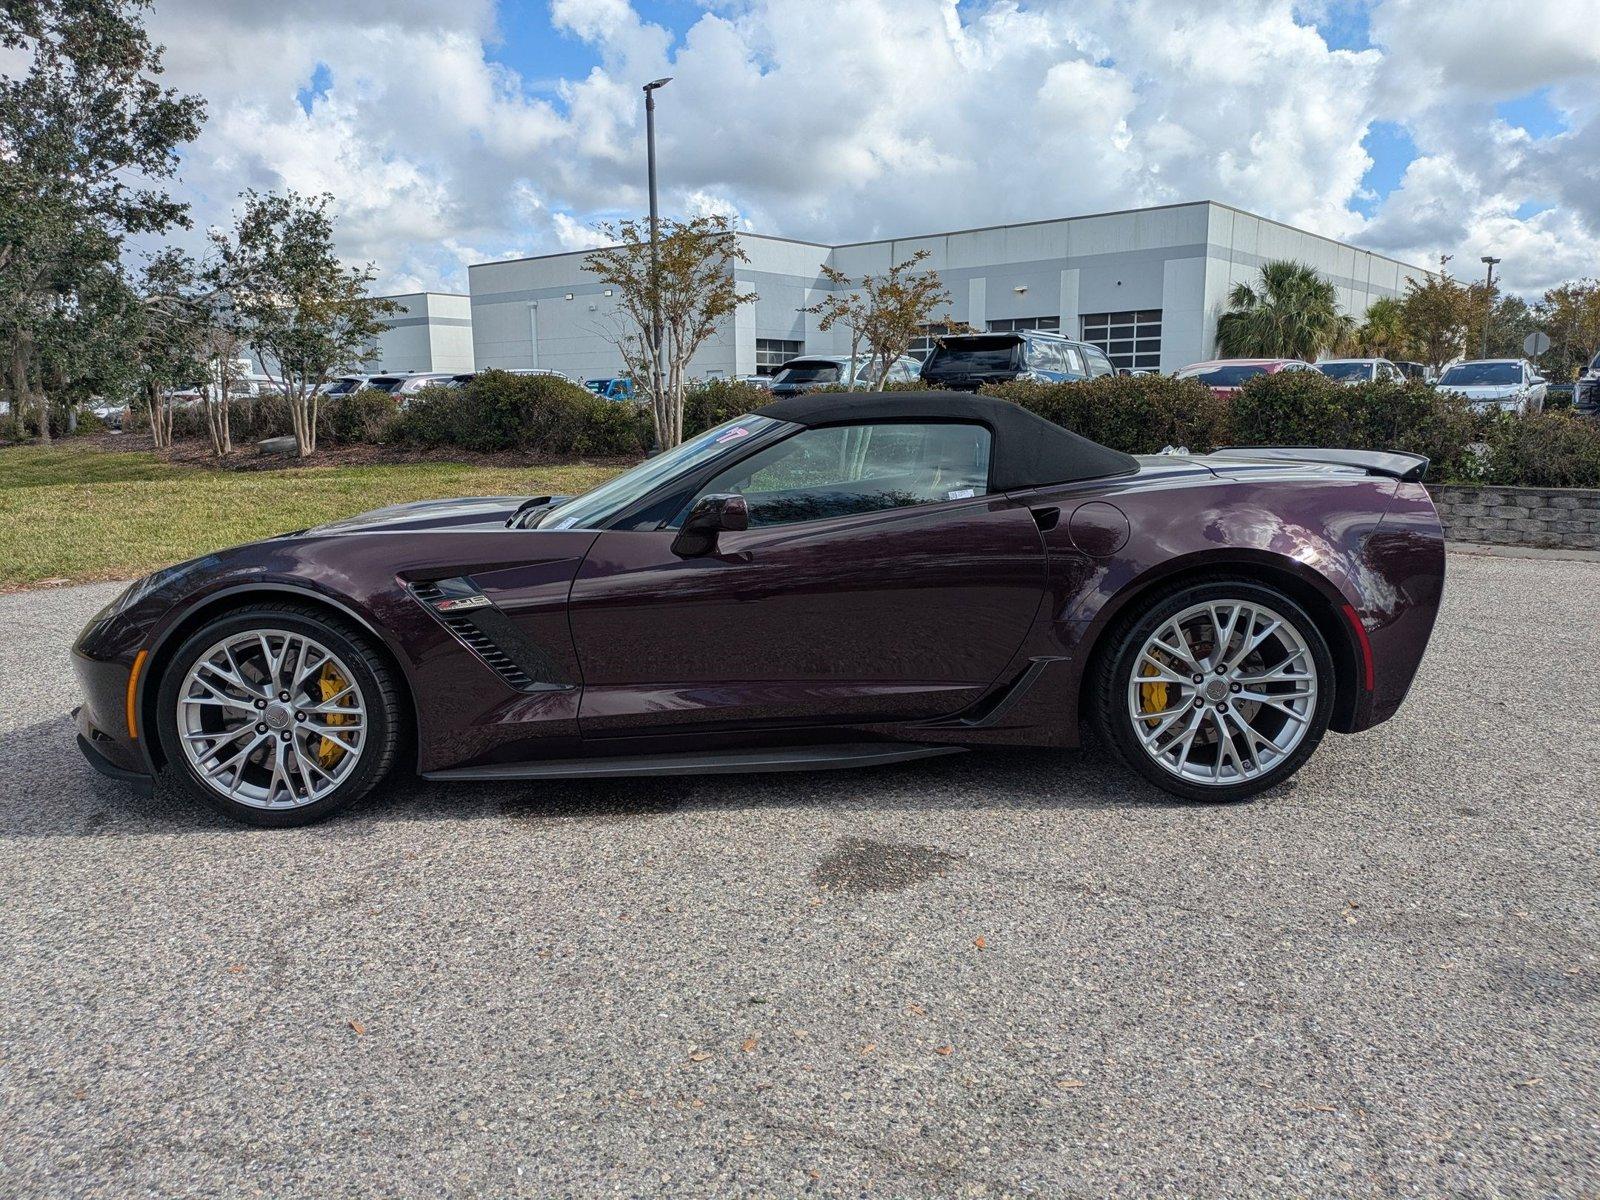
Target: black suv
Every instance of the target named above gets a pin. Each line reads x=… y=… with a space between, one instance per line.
x=1586 y=392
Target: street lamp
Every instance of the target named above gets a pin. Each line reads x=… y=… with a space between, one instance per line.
x=1488 y=302
x=655 y=264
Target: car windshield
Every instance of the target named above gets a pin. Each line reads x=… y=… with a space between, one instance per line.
x=343 y=387
x=591 y=509
x=386 y=383
x=1482 y=374
x=1346 y=370
x=1231 y=375
x=959 y=355
x=812 y=372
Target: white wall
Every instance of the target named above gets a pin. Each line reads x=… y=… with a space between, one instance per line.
x=432 y=331
x=1181 y=259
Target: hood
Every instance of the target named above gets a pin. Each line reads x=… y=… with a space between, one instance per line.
x=422 y=515
x=1486 y=391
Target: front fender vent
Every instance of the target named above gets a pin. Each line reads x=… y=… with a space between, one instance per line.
x=487 y=632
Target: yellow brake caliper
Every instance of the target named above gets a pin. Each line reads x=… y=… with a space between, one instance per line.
x=1152 y=696
x=330 y=683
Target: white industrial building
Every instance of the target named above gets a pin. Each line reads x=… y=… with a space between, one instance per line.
x=430 y=331
x=1146 y=285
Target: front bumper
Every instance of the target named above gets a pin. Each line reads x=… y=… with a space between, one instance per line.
x=106 y=756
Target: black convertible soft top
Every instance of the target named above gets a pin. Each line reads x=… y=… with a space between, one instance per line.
x=1028 y=450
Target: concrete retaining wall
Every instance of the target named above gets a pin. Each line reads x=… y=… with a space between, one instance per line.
x=1514 y=516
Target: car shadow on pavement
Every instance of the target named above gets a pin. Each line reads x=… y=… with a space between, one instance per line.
x=48 y=790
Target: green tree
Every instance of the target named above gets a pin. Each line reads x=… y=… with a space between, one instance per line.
x=306 y=315
x=167 y=323
x=87 y=135
x=1438 y=311
x=669 y=304
x=1570 y=315
x=1382 y=332
x=1293 y=312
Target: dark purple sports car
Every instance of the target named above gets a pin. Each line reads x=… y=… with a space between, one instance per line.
x=836 y=580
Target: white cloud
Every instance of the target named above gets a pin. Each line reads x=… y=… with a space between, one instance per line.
x=839 y=119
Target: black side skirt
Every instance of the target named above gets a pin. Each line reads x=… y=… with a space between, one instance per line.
x=725 y=762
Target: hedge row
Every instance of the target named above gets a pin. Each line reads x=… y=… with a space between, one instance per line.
x=547 y=417
x=538 y=415
x=1144 y=414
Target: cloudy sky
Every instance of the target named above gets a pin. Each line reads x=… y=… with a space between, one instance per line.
x=456 y=131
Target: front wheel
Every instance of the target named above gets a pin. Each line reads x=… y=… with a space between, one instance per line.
x=1217 y=690
x=277 y=715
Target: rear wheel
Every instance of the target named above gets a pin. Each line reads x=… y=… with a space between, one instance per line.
x=277 y=715
x=1216 y=690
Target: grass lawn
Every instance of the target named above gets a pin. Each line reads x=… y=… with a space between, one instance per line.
x=78 y=514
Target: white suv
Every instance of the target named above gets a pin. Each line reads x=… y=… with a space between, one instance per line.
x=1509 y=384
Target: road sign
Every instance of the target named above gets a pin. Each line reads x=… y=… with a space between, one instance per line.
x=1535 y=344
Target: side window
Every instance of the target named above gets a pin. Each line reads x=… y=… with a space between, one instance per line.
x=1072 y=361
x=1099 y=364
x=1041 y=356
x=849 y=469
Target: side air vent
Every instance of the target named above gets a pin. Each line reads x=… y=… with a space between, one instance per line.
x=461 y=623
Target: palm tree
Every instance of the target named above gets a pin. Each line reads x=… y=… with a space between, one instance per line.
x=1383 y=333
x=1293 y=313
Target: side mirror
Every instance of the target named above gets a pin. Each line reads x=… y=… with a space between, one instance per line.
x=1125 y=372
x=710 y=516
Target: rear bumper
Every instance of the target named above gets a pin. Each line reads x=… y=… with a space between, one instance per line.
x=1405 y=559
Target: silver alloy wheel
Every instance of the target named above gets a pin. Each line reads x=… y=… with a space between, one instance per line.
x=1222 y=692
x=271 y=718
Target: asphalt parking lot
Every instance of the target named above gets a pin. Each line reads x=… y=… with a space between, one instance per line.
x=1006 y=974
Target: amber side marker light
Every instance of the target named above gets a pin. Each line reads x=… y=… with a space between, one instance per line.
x=133 y=692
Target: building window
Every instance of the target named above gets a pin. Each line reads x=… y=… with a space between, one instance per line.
x=1131 y=340
x=921 y=347
x=772 y=353
x=1013 y=324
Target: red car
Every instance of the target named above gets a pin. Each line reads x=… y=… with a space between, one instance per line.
x=1225 y=376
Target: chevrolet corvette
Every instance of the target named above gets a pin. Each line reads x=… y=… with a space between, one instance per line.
x=834 y=580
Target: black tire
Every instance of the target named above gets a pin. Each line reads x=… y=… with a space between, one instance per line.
x=1113 y=670
x=375 y=679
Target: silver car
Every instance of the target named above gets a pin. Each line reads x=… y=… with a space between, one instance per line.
x=811 y=371
x=1361 y=370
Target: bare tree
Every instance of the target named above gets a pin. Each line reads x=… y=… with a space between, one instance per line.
x=846 y=308
x=684 y=293
x=885 y=312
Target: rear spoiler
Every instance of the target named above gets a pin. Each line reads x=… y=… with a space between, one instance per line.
x=1394 y=464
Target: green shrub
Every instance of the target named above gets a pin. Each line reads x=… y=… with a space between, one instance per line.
x=1559 y=449
x=364 y=416
x=535 y=414
x=1305 y=408
x=1137 y=414
x=709 y=403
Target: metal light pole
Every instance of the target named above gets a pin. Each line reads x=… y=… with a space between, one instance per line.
x=655 y=261
x=1488 y=303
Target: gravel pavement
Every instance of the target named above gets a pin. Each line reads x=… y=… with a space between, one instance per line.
x=1008 y=973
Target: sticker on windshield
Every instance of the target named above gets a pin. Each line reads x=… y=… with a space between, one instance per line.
x=733 y=435
x=961 y=494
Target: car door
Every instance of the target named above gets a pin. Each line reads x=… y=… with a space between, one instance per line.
x=878 y=580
